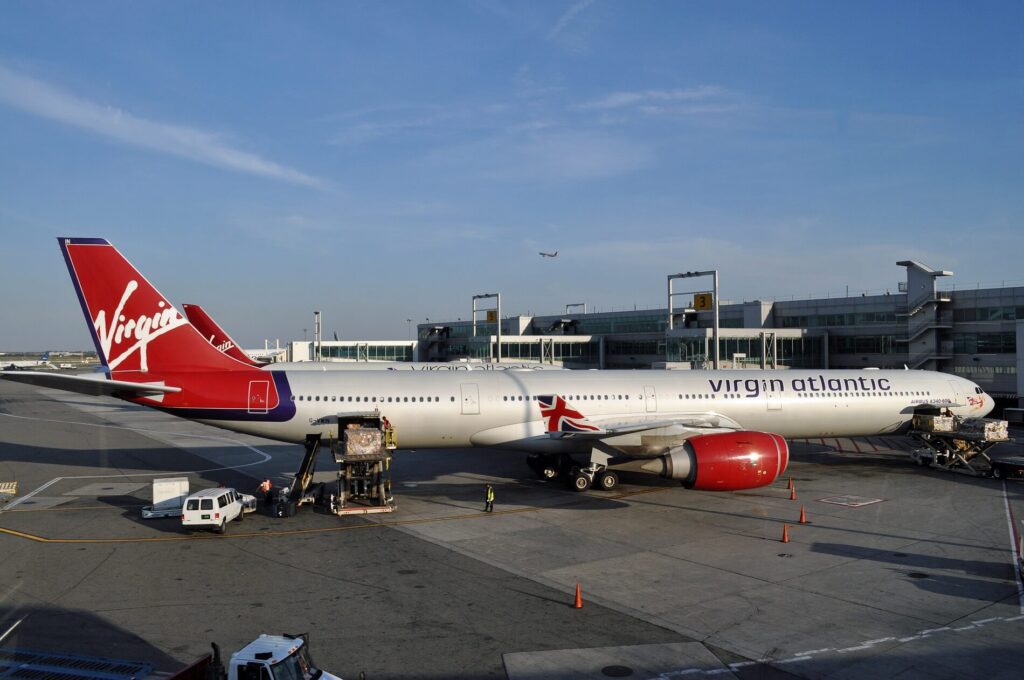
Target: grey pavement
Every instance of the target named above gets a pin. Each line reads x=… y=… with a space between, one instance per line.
x=919 y=584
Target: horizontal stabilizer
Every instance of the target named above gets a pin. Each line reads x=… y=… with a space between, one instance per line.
x=96 y=384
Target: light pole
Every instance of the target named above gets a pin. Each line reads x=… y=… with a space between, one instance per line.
x=714 y=302
x=409 y=324
x=496 y=311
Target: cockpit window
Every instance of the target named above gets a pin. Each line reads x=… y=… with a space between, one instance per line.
x=977 y=390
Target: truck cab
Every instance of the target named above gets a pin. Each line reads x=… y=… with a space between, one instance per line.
x=276 y=657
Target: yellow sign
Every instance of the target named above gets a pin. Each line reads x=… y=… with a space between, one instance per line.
x=492 y=315
x=702 y=301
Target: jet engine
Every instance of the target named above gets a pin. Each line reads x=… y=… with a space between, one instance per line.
x=724 y=461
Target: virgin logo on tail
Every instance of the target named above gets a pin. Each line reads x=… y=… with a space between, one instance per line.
x=561 y=418
x=119 y=331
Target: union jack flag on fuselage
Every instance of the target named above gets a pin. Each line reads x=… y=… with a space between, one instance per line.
x=562 y=418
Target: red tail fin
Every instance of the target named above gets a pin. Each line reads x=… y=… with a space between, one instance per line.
x=134 y=327
x=217 y=336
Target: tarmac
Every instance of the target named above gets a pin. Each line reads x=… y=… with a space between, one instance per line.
x=901 y=571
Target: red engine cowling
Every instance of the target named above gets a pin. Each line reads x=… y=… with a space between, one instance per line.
x=727 y=461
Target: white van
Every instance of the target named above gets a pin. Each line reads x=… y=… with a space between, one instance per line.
x=214 y=508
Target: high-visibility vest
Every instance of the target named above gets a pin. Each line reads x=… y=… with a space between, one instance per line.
x=490 y=493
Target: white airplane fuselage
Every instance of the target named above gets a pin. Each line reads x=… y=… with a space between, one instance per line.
x=496 y=408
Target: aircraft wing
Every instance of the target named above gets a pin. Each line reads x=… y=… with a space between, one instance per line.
x=564 y=421
x=95 y=385
x=695 y=421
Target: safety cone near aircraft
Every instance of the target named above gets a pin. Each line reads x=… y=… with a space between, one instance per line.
x=803 y=515
x=785 y=533
x=578 y=602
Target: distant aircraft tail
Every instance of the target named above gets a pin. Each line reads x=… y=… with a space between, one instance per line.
x=45 y=358
x=216 y=335
x=136 y=330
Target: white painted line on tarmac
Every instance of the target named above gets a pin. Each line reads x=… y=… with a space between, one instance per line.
x=11 y=629
x=800 y=657
x=27 y=496
x=264 y=455
x=1013 y=549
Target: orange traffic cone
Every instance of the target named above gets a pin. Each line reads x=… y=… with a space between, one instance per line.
x=785 y=533
x=578 y=604
x=803 y=515
x=792 y=494
x=790 y=486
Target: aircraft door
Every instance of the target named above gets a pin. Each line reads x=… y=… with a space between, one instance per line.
x=470 y=399
x=651 y=398
x=956 y=394
x=259 y=391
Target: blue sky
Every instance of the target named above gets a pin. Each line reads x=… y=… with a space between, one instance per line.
x=381 y=161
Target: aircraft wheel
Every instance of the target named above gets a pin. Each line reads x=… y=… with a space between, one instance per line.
x=548 y=472
x=580 y=481
x=607 y=481
x=997 y=472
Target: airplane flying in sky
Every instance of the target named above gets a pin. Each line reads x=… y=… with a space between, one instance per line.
x=554 y=254
x=711 y=430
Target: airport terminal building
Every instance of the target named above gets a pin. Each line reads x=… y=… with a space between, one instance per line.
x=976 y=333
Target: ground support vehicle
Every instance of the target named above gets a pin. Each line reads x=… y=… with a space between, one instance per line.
x=1008 y=467
x=362 y=451
x=214 y=508
x=953 y=443
x=169 y=496
x=361 y=447
x=268 y=657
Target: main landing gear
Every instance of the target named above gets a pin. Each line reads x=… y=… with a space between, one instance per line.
x=579 y=478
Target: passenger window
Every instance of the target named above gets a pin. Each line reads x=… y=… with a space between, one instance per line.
x=206 y=504
x=193 y=504
x=222 y=501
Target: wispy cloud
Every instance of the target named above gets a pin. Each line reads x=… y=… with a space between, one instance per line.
x=41 y=99
x=567 y=17
x=655 y=98
x=574 y=28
